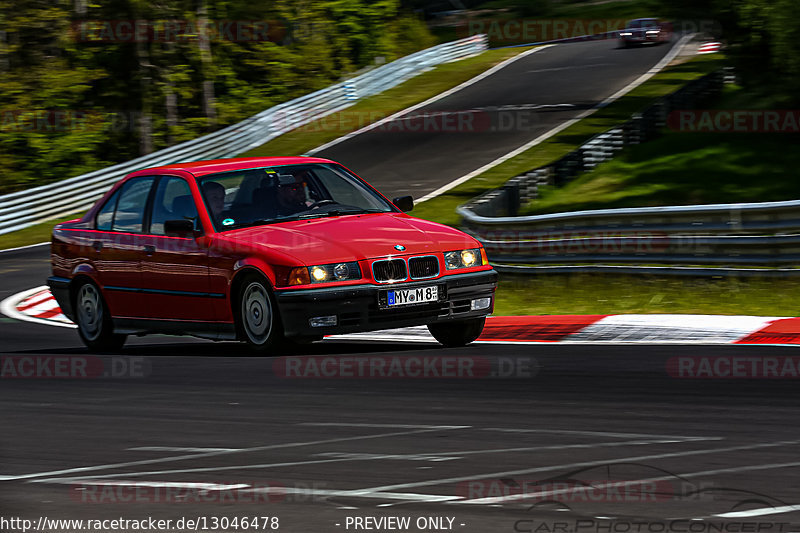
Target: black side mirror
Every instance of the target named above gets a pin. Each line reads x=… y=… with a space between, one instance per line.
x=179 y=228
x=404 y=203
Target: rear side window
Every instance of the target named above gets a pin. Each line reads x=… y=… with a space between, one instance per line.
x=105 y=217
x=173 y=201
x=129 y=214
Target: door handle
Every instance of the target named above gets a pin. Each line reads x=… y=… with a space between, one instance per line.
x=97 y=245
x=149 y=249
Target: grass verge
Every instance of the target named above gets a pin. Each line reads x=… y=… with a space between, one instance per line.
x=32 y=235
x=688 y=168
x=580 y=294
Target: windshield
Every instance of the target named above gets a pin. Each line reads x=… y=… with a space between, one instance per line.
x=292 y=192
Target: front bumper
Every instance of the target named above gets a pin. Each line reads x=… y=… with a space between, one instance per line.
x=59 y=288
x=357 y=308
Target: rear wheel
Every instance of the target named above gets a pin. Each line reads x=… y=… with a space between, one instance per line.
x=258 y=319
x=457 y=333
x=95 y=326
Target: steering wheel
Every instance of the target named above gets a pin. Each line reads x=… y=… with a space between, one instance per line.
x=320 y=203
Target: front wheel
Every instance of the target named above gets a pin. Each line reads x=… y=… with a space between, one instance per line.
x=457 y=333
x=95 y=327
x=258 y=316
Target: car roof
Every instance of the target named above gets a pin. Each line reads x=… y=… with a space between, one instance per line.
x=203 y=168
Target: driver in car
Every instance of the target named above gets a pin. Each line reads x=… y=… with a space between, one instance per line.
x=292 y=196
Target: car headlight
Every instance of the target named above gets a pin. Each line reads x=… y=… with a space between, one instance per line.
x=325 y=273
x=464 y=258
x=625 y=34
x=653 y=31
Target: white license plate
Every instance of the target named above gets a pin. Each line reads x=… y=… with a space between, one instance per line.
x=412 y=296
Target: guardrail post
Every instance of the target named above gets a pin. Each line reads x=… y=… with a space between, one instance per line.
x=350 y=92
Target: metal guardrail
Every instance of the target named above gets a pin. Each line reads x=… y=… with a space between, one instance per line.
x=765 y=234
x=24 y=208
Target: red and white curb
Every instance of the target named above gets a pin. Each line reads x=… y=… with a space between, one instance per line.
x=38 y=305
x=35 y=305
x=709 y=48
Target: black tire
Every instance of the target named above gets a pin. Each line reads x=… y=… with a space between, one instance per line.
x=257 y=317
x=95 y=327
x=457 y=333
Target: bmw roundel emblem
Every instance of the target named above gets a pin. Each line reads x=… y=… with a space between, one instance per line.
x=399 y=247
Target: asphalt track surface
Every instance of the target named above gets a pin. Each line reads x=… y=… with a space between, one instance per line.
x=510 y=108
x=550 y=417
x=547 y=417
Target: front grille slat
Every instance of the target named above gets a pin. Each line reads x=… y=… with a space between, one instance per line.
x=426 y=266
x=389 y=270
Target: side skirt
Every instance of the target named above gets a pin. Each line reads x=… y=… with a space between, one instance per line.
x=215 y=331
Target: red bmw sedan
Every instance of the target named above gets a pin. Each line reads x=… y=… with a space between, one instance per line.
x=263 y=250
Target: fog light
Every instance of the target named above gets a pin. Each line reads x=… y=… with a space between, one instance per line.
x=322 y=321
x=480 y=303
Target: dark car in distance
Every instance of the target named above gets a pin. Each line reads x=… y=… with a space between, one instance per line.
x=645 y=30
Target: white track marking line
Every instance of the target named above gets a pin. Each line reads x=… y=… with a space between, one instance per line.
x=601 y=434
x=564 y=125
x=440 y=498
x=165 y=484
x=82 y=469
x=560 y=447
x=551 y=468
x=354 y=457
x=407 y=496
x=177 y=449
x=263 y=466
x=24 y=247
x=9 y=308
x=760 y=512
x=400 y=426
x=431 y=100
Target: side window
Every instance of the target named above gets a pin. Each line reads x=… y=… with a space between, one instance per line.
x=105 y=217
x=131 y=205
x=173 y=201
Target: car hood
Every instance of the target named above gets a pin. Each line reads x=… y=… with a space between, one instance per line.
x=351 y=237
